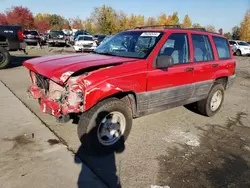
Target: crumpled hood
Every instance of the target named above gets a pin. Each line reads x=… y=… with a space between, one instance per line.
x=60 y=67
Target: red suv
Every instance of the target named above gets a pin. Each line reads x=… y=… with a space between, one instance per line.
x=132 y=74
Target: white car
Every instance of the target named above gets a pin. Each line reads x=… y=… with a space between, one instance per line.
x=240 y=47
x=84 y=43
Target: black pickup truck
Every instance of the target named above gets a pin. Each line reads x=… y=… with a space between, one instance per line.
x=11 y=39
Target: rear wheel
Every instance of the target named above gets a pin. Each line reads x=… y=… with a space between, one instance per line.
x=106 y=126
x=5 y=58
x=238 y=53
x=212 y=104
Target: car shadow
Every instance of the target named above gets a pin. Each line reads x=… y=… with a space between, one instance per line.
x=103 y=165
x=17 y=61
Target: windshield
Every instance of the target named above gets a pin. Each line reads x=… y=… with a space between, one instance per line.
x=88 y=38
x=79 y=38
x=243 y=44
x=135 y=44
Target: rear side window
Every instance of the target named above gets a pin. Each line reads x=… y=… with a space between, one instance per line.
x=202 y=48
x=222 y=47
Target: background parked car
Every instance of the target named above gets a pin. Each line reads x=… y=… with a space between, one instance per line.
x=85 y=43
x=31 y=37
x=240 y=47
x=11 y=39
x=44 y=37
x=76 y=34
x=57 y=37
x=105 y=39
x=98 y=38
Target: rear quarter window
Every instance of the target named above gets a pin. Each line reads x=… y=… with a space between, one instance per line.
x=222 y=47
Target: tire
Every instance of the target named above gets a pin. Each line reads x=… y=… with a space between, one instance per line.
x=5 y=58
x=238 y=53
x=205 y=106
x=90 y=124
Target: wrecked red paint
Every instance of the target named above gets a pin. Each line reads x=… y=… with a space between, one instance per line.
x=58 y=68
x=36 y=92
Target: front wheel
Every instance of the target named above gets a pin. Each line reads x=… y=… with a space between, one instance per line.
x=106 y=126
x=5 y=58
x=212 y=104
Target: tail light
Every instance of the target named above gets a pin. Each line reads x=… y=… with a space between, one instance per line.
x=20 y=35
x=37 y=36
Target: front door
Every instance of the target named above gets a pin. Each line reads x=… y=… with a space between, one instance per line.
x=171 y=86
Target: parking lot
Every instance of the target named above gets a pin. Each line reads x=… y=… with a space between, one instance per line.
x=175 y=148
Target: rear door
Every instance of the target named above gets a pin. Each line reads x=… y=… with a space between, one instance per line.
x=204 y=64
x=171 y=86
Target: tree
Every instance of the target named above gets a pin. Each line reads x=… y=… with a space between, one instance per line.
x=88 y=25
x=56 y=21
x=76 y=23
x=236 y=33
x=105 y=18
x=140 y=20
x=3 y=19
x=41 y=16
x=174 y=19
x=210 y=28
x=245 y=27
x=196 y=25
x=42 y=25
x=122 y=22
x=187 y=22
x=19 y=15
x=151 y=21
x=66 y=25
x=228 y=35
x=132 y=21
x=162 y=19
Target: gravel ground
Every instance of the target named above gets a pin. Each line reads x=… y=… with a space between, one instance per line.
x=175 y=148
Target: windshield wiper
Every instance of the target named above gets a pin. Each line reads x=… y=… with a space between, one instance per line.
x=104 y=53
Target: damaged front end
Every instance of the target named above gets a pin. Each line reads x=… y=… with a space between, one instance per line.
x=55 y=99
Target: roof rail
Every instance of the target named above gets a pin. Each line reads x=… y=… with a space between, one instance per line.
x=200 y=29
x=152 y=26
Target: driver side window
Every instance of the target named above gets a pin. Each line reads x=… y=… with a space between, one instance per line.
x=177 y=47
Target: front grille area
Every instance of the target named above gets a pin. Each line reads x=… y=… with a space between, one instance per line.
x=42 y=82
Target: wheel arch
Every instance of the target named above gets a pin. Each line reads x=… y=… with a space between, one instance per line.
x=129 y=97
x=222 y=80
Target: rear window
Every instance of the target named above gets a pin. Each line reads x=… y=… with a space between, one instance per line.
x=30 y=33
x=56 y=33
x=222 y=47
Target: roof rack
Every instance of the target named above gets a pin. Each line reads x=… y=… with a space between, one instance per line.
x=152 y=26
x=200 y=29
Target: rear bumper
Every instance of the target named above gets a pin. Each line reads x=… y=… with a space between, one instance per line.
x=230 y=81
x=33 y=41
x=56 y=41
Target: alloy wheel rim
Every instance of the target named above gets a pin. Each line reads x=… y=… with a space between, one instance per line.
x=111 y=128
x=216 y=100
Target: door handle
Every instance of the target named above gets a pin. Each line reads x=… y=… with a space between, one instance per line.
x=189 y=69
x=215 y=65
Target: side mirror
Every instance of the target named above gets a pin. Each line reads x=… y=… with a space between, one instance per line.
x=164 y=61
